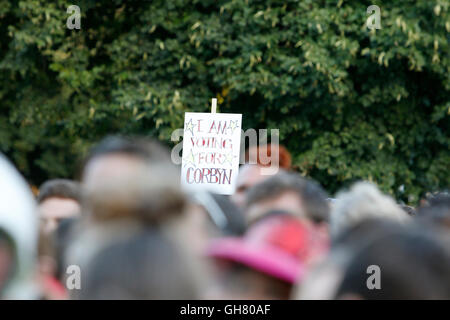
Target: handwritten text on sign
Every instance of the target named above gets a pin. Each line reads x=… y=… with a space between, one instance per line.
x=211 y=151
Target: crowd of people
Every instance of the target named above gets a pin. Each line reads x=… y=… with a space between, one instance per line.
x=124 y=229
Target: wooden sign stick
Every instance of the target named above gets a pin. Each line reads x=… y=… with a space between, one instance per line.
x=213 y=105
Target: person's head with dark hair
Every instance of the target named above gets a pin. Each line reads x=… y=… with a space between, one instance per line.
x=400 y=262
x=59 y=188
x=290 y=192
x=58 y=199
x=124 y=177
x=259 y=160
x=436 y=210
x=144 y=265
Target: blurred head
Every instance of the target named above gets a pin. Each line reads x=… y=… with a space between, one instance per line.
x=287 y=191
x=267 y=260
x=116 y=158
x=18 y=235
x=363 y=201
x=257 y=159
x=125 y=178
x=144 y=265
x=131 y=188
x=411 y=263
x=402 y=252
x=58 y=199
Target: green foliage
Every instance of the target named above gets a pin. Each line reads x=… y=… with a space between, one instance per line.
x=351 y=103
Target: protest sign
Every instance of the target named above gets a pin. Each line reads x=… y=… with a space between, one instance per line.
x=211 y=146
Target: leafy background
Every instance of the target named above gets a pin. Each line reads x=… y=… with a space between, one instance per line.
x=350 y=103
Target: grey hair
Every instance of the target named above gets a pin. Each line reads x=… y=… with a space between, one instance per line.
x=364 y=200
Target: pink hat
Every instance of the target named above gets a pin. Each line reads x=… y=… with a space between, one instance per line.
x=278 y=246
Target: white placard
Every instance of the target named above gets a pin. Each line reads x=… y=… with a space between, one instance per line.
x=211 y=146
